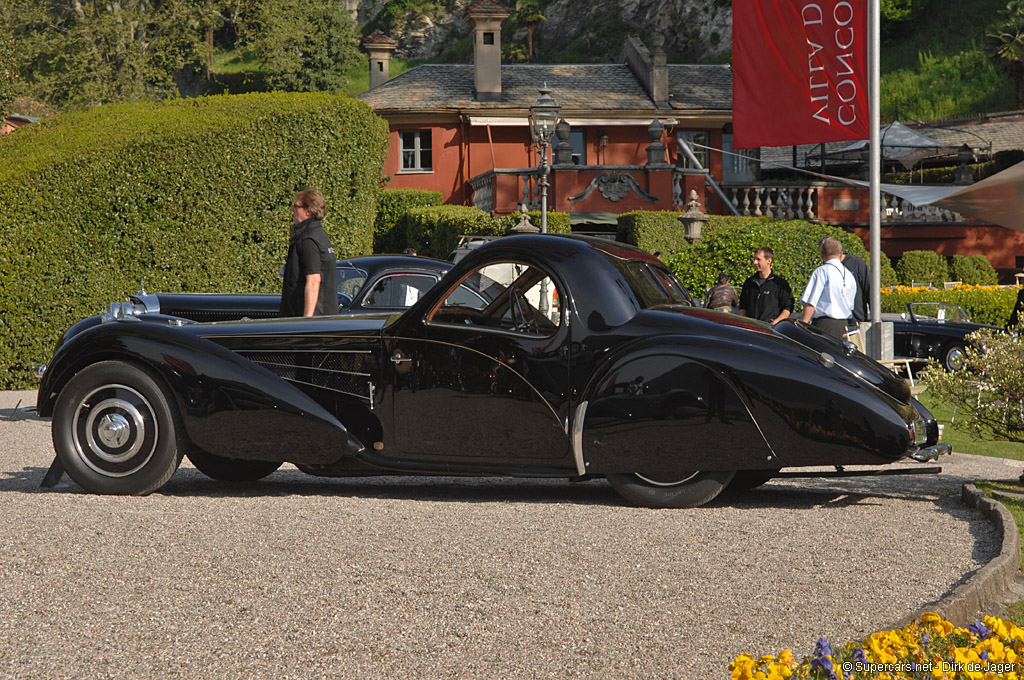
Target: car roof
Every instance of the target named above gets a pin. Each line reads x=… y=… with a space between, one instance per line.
x=374 y=263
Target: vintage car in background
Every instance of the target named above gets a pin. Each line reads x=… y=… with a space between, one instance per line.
x=932 y=330
x=568 y=357
x=372 y=283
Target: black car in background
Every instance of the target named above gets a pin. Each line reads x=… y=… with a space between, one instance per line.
x=933 y=330
x=373 y=283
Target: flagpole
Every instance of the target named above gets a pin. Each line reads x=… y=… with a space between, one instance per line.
x=875 y=162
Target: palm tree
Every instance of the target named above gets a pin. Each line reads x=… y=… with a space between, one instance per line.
x=1007 y=40
x=528 y=12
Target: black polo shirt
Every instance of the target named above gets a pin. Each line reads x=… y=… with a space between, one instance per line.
x=309 y=252
x=765 y=299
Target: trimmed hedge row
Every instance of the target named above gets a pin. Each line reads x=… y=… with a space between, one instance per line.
x=728 y=244
x=983 y=304
x=656 y=231
x=188 y=194
x=393 y=205
x=435 y=231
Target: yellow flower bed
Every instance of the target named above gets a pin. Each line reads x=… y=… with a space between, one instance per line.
x=931 y=648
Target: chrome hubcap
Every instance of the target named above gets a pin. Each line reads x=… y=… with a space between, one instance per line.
x=115 y=430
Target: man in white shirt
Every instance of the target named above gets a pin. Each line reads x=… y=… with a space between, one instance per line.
x=831 y=291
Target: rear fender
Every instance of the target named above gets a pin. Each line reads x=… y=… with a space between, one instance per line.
x=658 y=408
x=229 y=406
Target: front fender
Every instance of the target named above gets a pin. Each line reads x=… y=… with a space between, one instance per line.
x=229 y=406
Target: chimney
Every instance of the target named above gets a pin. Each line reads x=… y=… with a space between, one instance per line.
x=379 y=47
x=650 y=70
x=486 y=17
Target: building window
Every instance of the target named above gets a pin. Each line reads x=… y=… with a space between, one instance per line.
x=738 y=165
x=697 y=141
x=416 y=156
x=578 y=140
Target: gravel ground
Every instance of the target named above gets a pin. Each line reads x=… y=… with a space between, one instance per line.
x=301 y=577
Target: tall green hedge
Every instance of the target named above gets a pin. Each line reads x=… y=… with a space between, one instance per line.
x=189 y=195
x=728 y=244
x=394 y=203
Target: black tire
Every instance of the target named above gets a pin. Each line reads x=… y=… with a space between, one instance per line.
x=688 y=490
x=116 y=431
x=954 y=357
x=231 y=469
x=745 y=480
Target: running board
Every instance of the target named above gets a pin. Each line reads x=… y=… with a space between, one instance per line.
x=931 y=470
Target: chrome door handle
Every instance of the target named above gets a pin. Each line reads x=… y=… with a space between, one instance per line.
x=400 y=358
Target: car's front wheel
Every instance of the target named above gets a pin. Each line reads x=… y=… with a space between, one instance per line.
x=231 y=469
x=954 y=357
x=115 y=431
x=684 y=490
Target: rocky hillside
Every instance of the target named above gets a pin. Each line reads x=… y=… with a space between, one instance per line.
x=573 y=30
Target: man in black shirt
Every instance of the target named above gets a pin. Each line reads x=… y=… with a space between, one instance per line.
x=766 y=295
x=310 y=285
x=862 y=275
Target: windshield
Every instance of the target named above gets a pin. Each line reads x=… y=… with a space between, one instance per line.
x=938 y=312
x=350 y=281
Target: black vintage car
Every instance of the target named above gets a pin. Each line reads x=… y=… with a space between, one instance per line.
x=572 y=357
x=373 y=283
x=933 y=330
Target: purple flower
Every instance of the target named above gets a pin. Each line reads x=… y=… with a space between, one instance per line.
x=858 y=656
x=822 y=650
x=925 y=639
x=984 y=655
x=979 y=629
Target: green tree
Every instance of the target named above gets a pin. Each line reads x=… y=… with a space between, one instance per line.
x=989 y=391
x=304 y=45
x=75 y=53
x=8 y=72
x=1006 y=38
x=528 y=12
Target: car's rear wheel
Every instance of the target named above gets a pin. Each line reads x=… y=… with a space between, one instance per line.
x=681 y=490
x=954 y=357
x=231 y=469
x=115 y=431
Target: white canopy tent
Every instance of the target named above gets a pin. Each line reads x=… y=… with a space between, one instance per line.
x=899 y=143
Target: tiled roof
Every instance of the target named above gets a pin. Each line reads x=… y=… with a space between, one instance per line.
x=579 y=88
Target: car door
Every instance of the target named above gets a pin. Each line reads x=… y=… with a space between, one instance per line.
x=483 y=374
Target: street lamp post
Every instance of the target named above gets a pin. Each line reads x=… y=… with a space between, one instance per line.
x=543 y=118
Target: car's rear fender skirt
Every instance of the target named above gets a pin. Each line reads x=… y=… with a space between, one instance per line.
x=656 y=409
x=229 y=405
x=701 y=403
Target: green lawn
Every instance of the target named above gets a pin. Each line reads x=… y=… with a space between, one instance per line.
x=962 y=441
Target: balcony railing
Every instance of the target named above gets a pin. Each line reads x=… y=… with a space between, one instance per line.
x=502 y=190
x=782 y=201
x=486 y=185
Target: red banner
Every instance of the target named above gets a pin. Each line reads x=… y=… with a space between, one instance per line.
x=800 y=72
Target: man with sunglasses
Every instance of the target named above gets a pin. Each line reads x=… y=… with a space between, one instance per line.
x=310 y=286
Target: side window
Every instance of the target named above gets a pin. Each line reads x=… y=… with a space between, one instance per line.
x=399 y=290
x=506 y=295
x=416 y=153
